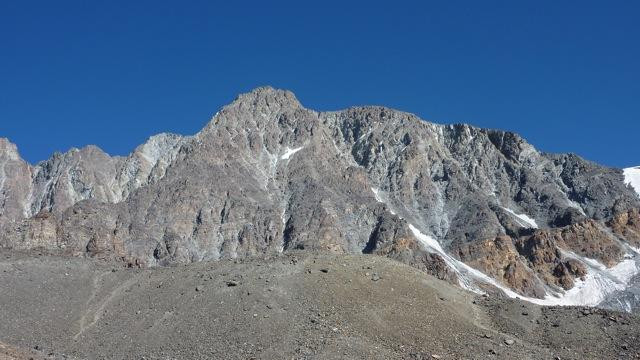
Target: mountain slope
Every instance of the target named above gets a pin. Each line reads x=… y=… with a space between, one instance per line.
x=299 y=305
x=477 y=207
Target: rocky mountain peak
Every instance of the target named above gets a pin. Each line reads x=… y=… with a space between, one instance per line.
x=264 y=101
x=267 y=96
x=259 y=108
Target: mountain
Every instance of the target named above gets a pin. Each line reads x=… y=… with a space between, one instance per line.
x=476 y=207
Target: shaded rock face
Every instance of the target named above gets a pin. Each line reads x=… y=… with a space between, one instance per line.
x=267 y=175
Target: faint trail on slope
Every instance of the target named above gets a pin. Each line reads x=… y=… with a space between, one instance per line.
x=98 y=308
x=94 y=292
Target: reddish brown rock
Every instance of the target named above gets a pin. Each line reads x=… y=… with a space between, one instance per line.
x=627 y=226
x=588 y=238
x=499 y=259
x=591 y=239
x=525 y=263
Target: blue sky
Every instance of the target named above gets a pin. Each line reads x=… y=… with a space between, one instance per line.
x=564 y=74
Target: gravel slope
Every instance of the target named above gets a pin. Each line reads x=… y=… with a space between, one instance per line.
x=299 y=306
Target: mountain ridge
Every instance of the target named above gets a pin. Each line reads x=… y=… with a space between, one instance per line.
x=267 y=175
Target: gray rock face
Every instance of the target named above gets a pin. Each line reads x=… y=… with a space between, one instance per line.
x=267 y=175
x=65 y=179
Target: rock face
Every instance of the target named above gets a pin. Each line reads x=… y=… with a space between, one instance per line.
x=65 y=179
x=267 y=175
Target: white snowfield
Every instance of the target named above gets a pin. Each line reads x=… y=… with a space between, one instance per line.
x=287 y=154
x=522 y=219
x=599 y=282
x=632 y=177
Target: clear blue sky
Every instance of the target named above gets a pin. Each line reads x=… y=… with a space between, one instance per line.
x=564 y=74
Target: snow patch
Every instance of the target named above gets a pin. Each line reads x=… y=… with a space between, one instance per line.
x=376 y=195
x=634 y=249
x=522 y=219
x=632 y=177
x=599 y=282
x=287 y=154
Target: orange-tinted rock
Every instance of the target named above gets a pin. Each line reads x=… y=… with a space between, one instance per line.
x=627 y=226
x=499 y=259
x=543 y=249
x=590 y=239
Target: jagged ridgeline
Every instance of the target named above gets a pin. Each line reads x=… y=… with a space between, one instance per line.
x=480 y=208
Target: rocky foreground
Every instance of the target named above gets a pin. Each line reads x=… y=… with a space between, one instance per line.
x=293 y=306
